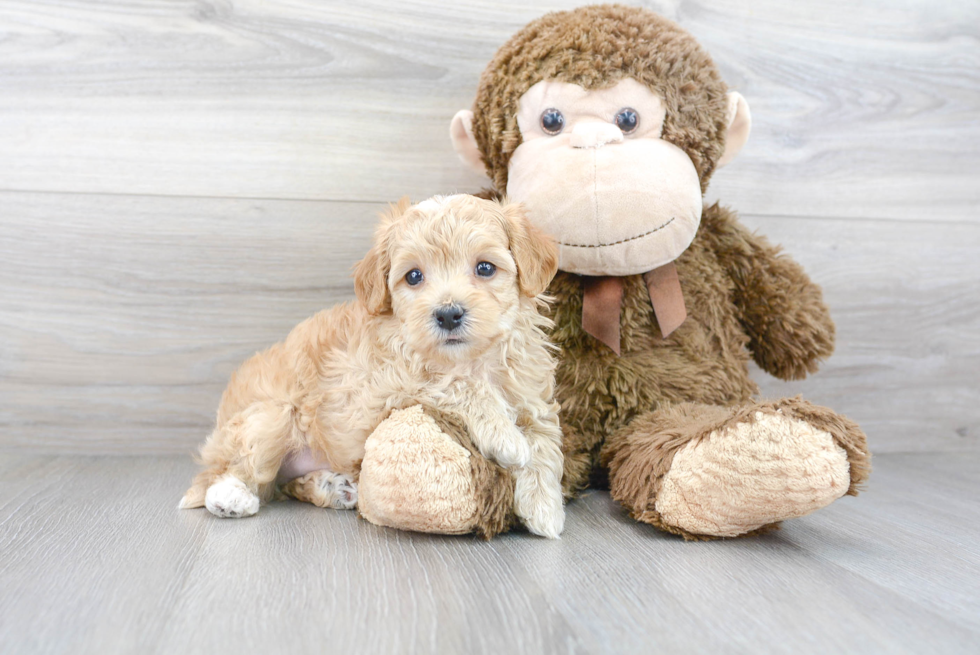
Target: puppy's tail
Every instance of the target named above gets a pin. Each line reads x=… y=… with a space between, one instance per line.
x=195 y=495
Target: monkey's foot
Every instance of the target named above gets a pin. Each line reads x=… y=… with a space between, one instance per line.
x=750 y=474
x=727 y=472
x=422 y=475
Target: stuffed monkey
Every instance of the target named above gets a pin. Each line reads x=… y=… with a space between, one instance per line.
x=608 y=122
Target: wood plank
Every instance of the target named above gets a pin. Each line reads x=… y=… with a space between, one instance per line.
x=122 y=317
x=133 y=311
x=907 y=309
x=913 y=498
x=860 y=109
x=97 y=559
x=353 y=587
x=863 y=109
x=86 y=566
x=830 y=582
x=97 y=548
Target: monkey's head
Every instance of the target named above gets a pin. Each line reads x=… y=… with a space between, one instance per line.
x=607 y=123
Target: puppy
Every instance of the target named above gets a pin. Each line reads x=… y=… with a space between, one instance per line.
x=446 y=316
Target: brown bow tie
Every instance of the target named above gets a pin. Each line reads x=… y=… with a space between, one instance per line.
x=602 y=299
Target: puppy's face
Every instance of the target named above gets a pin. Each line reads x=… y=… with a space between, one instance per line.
x=452 y=271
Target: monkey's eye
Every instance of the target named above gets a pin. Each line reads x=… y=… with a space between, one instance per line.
x=485 y=269
x=627 y=120
x=552 y=121
x=414 y=277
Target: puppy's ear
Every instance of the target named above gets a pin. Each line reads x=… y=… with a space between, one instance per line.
x=371 y=273
x=371 y=280
x=535 y=253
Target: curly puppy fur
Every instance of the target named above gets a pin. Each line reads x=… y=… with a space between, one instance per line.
x=340 y=373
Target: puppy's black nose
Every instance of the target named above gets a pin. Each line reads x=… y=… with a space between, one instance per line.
x=449 y=318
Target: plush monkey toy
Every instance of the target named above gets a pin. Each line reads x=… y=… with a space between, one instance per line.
x=608 y=122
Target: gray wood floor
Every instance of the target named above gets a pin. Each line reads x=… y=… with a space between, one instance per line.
x=182 y=182
x=97 y=559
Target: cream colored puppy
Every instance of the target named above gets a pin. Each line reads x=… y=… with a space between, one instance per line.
x=447 y=317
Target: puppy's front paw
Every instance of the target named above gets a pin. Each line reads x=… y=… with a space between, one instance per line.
x=544 y=517
x=230 y=498
x=510 y=449
x=538 y=501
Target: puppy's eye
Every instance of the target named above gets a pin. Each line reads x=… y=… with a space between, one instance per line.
x=552 y=121
x=627 y=120
x=485 y=269
x=414 y=277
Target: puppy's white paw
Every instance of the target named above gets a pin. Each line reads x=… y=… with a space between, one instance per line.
x=339 y=491
x=545 y=518
x=538 y=500
x=512 y=450
x=230 y=498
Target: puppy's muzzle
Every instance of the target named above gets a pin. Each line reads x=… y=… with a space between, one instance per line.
x=449 y=317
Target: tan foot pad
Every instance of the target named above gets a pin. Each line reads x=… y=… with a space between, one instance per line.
x=751 y=474
x=414 y=477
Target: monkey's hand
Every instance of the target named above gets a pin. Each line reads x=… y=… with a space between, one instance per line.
x=780 y=308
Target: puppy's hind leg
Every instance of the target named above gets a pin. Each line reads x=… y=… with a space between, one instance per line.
x=230 y=498
x=242 y=458
x=324 y=488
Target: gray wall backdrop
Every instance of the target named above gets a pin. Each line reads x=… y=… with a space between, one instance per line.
x=181 y=182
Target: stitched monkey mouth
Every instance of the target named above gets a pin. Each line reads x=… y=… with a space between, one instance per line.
x=616 y=243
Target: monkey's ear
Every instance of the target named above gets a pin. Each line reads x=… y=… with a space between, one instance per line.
x=535 y=253
x=371 y=273
x=461 y=132
x=739 y=126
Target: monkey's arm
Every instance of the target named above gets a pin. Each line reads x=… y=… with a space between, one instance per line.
x=780 y=308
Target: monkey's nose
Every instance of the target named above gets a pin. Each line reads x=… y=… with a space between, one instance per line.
x=450 y=317
x=595 y=134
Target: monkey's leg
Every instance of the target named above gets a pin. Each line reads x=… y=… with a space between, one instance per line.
x=702 y=471
x=421 y=472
